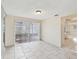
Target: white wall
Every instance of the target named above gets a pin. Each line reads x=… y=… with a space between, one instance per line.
x=51 y=31
x=9 y=31
x=3 y=14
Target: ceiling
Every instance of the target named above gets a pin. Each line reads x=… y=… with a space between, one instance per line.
x=27 y=8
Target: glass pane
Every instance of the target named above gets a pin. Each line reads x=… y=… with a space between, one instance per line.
x=35 y=31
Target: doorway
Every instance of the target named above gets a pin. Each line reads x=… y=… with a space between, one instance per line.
x=69 y=32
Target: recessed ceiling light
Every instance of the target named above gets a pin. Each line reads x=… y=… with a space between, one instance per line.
x=38 y=11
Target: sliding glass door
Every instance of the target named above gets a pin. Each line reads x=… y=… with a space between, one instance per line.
x=27 y=31
x=34 y=31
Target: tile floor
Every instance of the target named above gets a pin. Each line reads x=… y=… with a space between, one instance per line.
x=35 y=50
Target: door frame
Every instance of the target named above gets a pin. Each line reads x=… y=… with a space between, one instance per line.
x=62 y=26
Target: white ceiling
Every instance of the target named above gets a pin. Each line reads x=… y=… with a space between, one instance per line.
x=26 y=8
